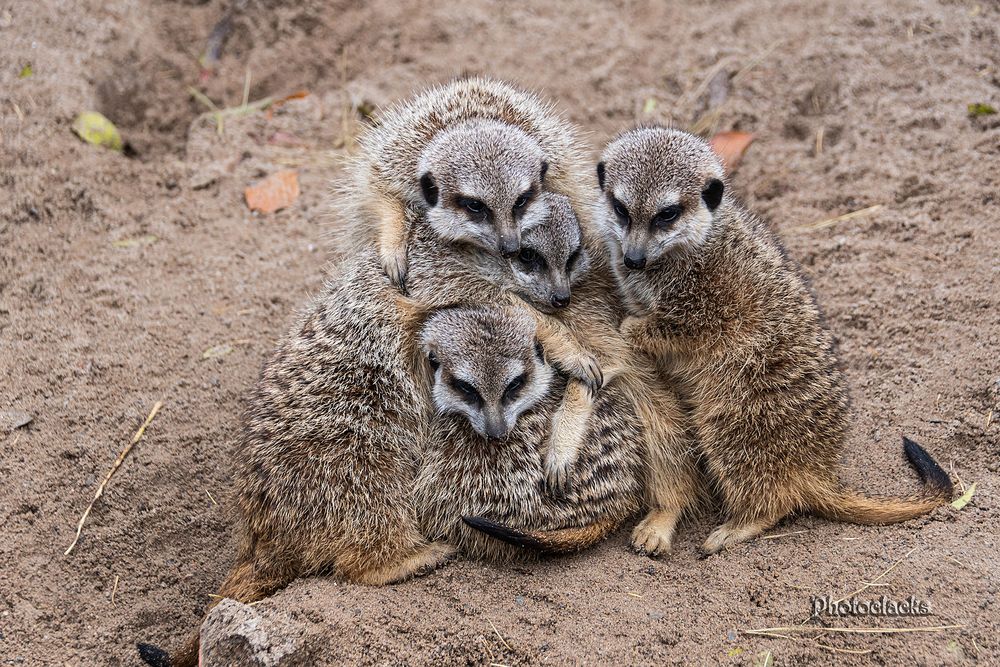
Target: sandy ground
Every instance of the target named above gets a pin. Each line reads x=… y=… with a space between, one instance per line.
x=93 y=333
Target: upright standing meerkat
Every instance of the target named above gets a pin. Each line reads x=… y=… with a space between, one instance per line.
x=482 y=459
x=327 y=457
x=469 y=156
x=721 y=307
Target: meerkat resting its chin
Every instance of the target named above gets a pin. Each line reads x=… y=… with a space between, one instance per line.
x=720 y=307
x=495 y=397
x=468 y=156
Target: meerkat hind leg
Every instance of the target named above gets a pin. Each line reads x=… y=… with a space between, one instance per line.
x=732 y=533
x=654 y=535
x=426 y=559
x=569 y=428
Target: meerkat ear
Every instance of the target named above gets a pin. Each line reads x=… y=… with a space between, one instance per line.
x=600 y=174
x=429 y=188
x=545 y=170
x=712 y=194
x=539 y=351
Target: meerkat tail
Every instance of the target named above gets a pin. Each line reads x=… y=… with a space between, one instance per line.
x=855 y=507
x=559 y=541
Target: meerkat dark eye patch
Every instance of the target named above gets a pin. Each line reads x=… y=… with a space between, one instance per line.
x=523 y=200
x=712 y=194
x=432 y=359
x=573 y=259
x=620 y=210
x=667 y=216
x=468 y=393
x=429 y=189
x=476 y=208
x=600 y=175
x=514 y=388
x=530 y=260
x=544 y=170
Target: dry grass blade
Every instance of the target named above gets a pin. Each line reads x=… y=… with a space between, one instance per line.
x=500 y=636
x=114 y=468
x=780 y=535
x=868 y=584
x=829 y=222
x=852 y=651
x=769 y=632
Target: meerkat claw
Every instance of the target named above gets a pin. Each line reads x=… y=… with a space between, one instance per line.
x=396 y=267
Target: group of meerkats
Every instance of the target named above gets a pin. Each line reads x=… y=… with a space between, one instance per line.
x=517 y=357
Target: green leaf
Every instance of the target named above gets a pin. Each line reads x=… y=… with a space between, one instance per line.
x=25 y=72
x=95 y=129
x=649 y=106
x=217 y=351
x=981 y=109
x=962 y=501
x=148 y=239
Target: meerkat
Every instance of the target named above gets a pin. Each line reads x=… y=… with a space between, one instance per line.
x=469 y=156
x=718 y=305
x=327 y=457
x=481 y=470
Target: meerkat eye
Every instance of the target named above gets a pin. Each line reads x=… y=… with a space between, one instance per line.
x=523 y=200
x=432 y=359
x=619 y=209
x=667 y=216
x=510 y=393
x=473 y=206
x=527 y=256
x=466 y=391
x=573 y=259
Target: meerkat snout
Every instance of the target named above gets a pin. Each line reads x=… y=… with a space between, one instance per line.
x=653 y=201
x=487 y=366
x=477 y=179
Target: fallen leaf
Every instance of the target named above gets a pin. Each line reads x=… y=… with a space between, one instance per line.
x=964 y=499
x=649 y=106
x=136 y=241
x=274 y=192
x=217 y=351
x=25 y=72
x=95 y=129
x=980 y=109
x=733 y=652
x=730 y=146
x=14 y=419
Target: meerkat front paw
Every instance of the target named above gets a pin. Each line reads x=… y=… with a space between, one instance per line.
x=559 y=472
x=395 y=265
x=654 y=536
x=585 y=367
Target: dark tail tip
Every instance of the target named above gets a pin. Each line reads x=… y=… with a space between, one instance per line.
x=503 y=533
x=153 y=655
x=931 y=474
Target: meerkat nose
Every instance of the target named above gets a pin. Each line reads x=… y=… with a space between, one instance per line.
x=509 y=245
x=560 y=300
x=635 y=260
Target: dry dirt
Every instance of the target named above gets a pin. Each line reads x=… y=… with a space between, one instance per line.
x=94 y=332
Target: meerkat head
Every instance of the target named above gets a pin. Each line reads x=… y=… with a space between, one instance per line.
x=477 y=179
x=487 y=366
x=552 y=257
x=660 y=190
